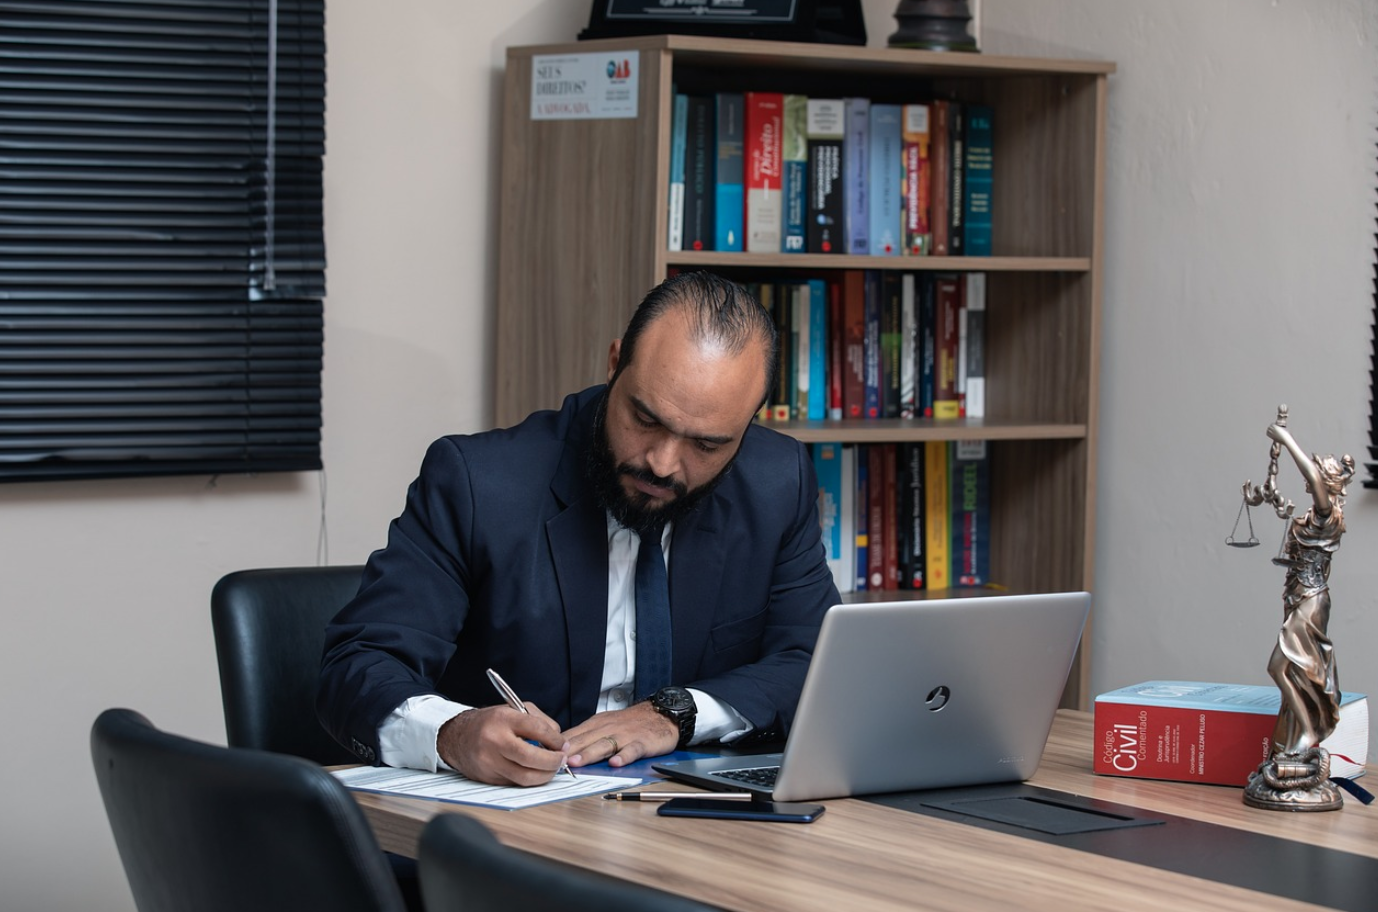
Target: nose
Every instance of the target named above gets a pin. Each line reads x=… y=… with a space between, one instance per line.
x=663 y=457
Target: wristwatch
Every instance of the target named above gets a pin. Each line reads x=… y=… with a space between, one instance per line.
x=677 y=705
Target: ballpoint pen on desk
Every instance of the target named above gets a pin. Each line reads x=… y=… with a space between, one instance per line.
x=516 y=703
x=667 y=796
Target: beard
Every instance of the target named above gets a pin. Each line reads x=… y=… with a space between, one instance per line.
x=637 y=511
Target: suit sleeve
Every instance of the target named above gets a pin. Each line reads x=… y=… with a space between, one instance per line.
x=394 y=640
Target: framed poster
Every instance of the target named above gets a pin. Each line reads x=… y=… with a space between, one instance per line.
x=821 y=21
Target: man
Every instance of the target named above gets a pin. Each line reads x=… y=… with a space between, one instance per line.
x=516 y=550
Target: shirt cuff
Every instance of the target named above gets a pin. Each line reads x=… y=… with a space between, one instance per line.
x=407 y=737
x=715 y=720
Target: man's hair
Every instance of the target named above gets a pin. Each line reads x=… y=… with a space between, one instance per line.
x=717 y=310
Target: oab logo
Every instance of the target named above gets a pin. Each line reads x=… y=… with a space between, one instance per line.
x=937 y=698
x=619 y=69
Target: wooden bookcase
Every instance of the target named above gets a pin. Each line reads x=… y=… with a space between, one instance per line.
x=583 y=229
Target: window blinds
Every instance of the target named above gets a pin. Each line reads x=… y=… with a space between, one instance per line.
x=162 y=257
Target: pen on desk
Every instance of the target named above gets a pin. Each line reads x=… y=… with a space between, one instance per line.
x=666 y=796
x=516 y=703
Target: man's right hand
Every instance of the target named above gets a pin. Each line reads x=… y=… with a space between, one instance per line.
x=494 y=744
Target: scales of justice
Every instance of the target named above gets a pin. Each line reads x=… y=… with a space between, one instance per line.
x=1296 y=775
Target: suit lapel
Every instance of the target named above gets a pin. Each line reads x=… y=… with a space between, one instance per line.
x=697 y=557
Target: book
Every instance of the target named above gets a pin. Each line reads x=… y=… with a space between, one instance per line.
x=1194 y=731
x=940 y=151
x=794 y=156
x=825 y=130
x=876 y=526
x=700 y=161
x=927 y=370
x=847 y=519
x=969 y=498
x=817 y=292
x=679 y=121
x=835 y=346
x=856 y=169
x=974 y=332
x=977 y=181
x=862 y=503
x=802 y=333
x=730 y=178
x=852 y=329
x=871 y=345
x=827 y=465
x=890 y=499
x=947 y=299
x=909 y=346
x=937 y=538
x=891 y=309
x=918 y=178
x=765 y=214
x=885 y=196
x=956 y=162
x=910 y=515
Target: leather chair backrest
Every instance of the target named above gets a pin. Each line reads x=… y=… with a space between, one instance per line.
x=464 y=868
x=202 y=828
x=269 y=633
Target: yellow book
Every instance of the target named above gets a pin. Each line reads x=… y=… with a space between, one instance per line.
x=937 y=537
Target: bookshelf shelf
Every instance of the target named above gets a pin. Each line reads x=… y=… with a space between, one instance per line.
x=583 y=228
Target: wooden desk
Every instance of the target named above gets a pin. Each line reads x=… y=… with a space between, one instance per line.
x=863 y=856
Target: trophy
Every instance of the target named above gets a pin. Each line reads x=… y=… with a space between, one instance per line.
x=1296 y=775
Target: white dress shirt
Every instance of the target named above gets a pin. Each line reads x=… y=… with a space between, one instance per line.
x=407 y=737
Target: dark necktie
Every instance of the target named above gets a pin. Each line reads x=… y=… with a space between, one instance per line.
x=652 y=617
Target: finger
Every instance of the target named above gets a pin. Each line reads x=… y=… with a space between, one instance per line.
x=604 y=747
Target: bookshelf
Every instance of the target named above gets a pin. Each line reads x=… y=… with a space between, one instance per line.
x=583 y=229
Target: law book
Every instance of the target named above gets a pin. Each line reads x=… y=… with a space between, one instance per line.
x=852 y=329
x=862 y=501
x=928 y=347
x=848 y=519
x=890 y=500
x=801 y=333
x=956 y=133
x=794 y=174
x=765 y=213
x=730 y=178
x=679 y=122
x=872 y=345
x=817 y=292
x=877 y=523
x=909 y=346
x=910 y=519
x=974 y=335
x=886 y=178
x=940 y=151
x=1194 y=731
x=978 y=180
x=832 y=483
x=918 y=177
x=969 y=498
x=700 y=161
x=856 y=168
x=891 y=308
x=835 y=349
x=947 y=297
x=826 y=128
x=937 y=537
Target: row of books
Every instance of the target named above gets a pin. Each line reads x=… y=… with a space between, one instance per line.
x=768 y=172
x=905 y=516
x=878 y=344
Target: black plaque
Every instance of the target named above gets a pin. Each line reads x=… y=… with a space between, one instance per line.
x=819 y=21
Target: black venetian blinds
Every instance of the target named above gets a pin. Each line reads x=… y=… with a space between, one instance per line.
x=162 y=259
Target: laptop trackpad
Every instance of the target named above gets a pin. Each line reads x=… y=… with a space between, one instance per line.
x=1046 y=815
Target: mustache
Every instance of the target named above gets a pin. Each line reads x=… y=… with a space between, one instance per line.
x=649 y=477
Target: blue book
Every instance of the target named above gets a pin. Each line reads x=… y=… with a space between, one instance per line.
x=928 y=347
x=871 y=347
x=856 y=180
x=827 y=465
x=679 y=123
x=730 y=179
x=818 y=349
x=794 y=177
x=969 y=505
x=976 y=208
x=886 y=176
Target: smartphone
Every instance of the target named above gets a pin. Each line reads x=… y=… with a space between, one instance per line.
x=782 y=812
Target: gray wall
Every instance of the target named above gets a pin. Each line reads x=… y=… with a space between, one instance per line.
x=1239 y=233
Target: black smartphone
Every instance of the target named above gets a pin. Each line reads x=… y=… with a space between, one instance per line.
x=726 y=809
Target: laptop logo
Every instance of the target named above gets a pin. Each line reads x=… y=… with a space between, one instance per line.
x=937 y=698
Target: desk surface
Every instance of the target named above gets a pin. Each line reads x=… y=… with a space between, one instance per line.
x=865 y=856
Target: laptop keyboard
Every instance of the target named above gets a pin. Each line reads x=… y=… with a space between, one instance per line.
x=761 y=776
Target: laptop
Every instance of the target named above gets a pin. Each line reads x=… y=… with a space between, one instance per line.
x=918 y=694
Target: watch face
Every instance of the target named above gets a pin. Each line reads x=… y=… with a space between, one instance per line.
x=674 y=699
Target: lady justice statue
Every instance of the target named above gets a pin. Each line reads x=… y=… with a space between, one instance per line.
x=1296 y=777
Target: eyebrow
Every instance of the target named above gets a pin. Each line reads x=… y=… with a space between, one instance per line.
x=719 y=439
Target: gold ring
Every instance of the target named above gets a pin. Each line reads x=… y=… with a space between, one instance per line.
x=611 y=740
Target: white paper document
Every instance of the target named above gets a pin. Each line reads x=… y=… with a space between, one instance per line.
x=448 y=786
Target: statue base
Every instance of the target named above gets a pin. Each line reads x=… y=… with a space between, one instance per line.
x=1294 y=781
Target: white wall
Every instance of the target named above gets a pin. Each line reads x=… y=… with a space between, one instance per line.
x=1239 y=239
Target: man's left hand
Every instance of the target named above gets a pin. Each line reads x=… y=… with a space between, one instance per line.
x=622 y=736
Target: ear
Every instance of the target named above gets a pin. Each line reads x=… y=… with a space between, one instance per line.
x=614 y=355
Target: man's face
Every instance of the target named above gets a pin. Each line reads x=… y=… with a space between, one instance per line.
x=673 y=422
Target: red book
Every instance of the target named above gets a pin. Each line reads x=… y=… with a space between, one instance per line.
x=940 y=151
x=946 y=330
x=1190 y=731
x=765 y=211
x=852 y=329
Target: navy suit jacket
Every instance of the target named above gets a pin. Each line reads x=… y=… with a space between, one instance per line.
x=500 y=558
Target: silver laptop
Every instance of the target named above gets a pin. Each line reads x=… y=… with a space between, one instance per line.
x=921 y=694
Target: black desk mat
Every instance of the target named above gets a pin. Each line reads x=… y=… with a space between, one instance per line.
x=1281 y=867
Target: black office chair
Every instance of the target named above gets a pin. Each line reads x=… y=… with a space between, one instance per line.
x=269 y=631
x=202 y=828
x=464 y=868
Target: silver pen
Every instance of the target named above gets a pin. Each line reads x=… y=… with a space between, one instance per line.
x=668 y=796
x=516 y=703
